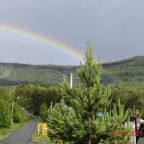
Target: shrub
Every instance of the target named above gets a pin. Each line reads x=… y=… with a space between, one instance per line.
x=5 y=115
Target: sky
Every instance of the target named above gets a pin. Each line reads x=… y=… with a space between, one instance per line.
x=114 y=27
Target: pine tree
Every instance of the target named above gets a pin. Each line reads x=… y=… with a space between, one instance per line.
x=89 y=103
x=92 y=97
x=64 y=124
x=111 y=127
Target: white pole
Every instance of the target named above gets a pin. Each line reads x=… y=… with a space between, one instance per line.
x=71 y=81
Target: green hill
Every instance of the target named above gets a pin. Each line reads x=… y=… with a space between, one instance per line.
x=128 y=72
x=14 y=73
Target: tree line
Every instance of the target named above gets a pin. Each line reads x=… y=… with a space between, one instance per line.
x=10 y=111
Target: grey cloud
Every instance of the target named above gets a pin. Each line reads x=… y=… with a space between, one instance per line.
x=115 y=27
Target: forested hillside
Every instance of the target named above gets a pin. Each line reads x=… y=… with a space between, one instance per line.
x=126 y=72
x=129 y=72
x=21 y=73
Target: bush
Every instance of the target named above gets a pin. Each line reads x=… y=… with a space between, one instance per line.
x=5 y=115
x=19 y=114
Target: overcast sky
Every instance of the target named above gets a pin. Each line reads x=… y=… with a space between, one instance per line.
x=115 y=28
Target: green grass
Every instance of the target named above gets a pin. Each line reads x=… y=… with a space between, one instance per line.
x=43 y=139
x=5 y=132
x=40 y=138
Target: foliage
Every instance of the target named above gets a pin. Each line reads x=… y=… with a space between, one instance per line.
x=13 y=74
x=40 y=138
x=110 y=128
x=19 y=114
x=8 y=101
x=85 y=103
x=132 y=98
x=43 y=111
x=128 y=73
x=64 y=124
x=32 y=96
x=5 y=116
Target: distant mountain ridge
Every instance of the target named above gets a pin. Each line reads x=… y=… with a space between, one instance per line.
x=15 y=73
x=128 y=71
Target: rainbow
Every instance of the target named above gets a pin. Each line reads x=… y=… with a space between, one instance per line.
x=41 y=38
